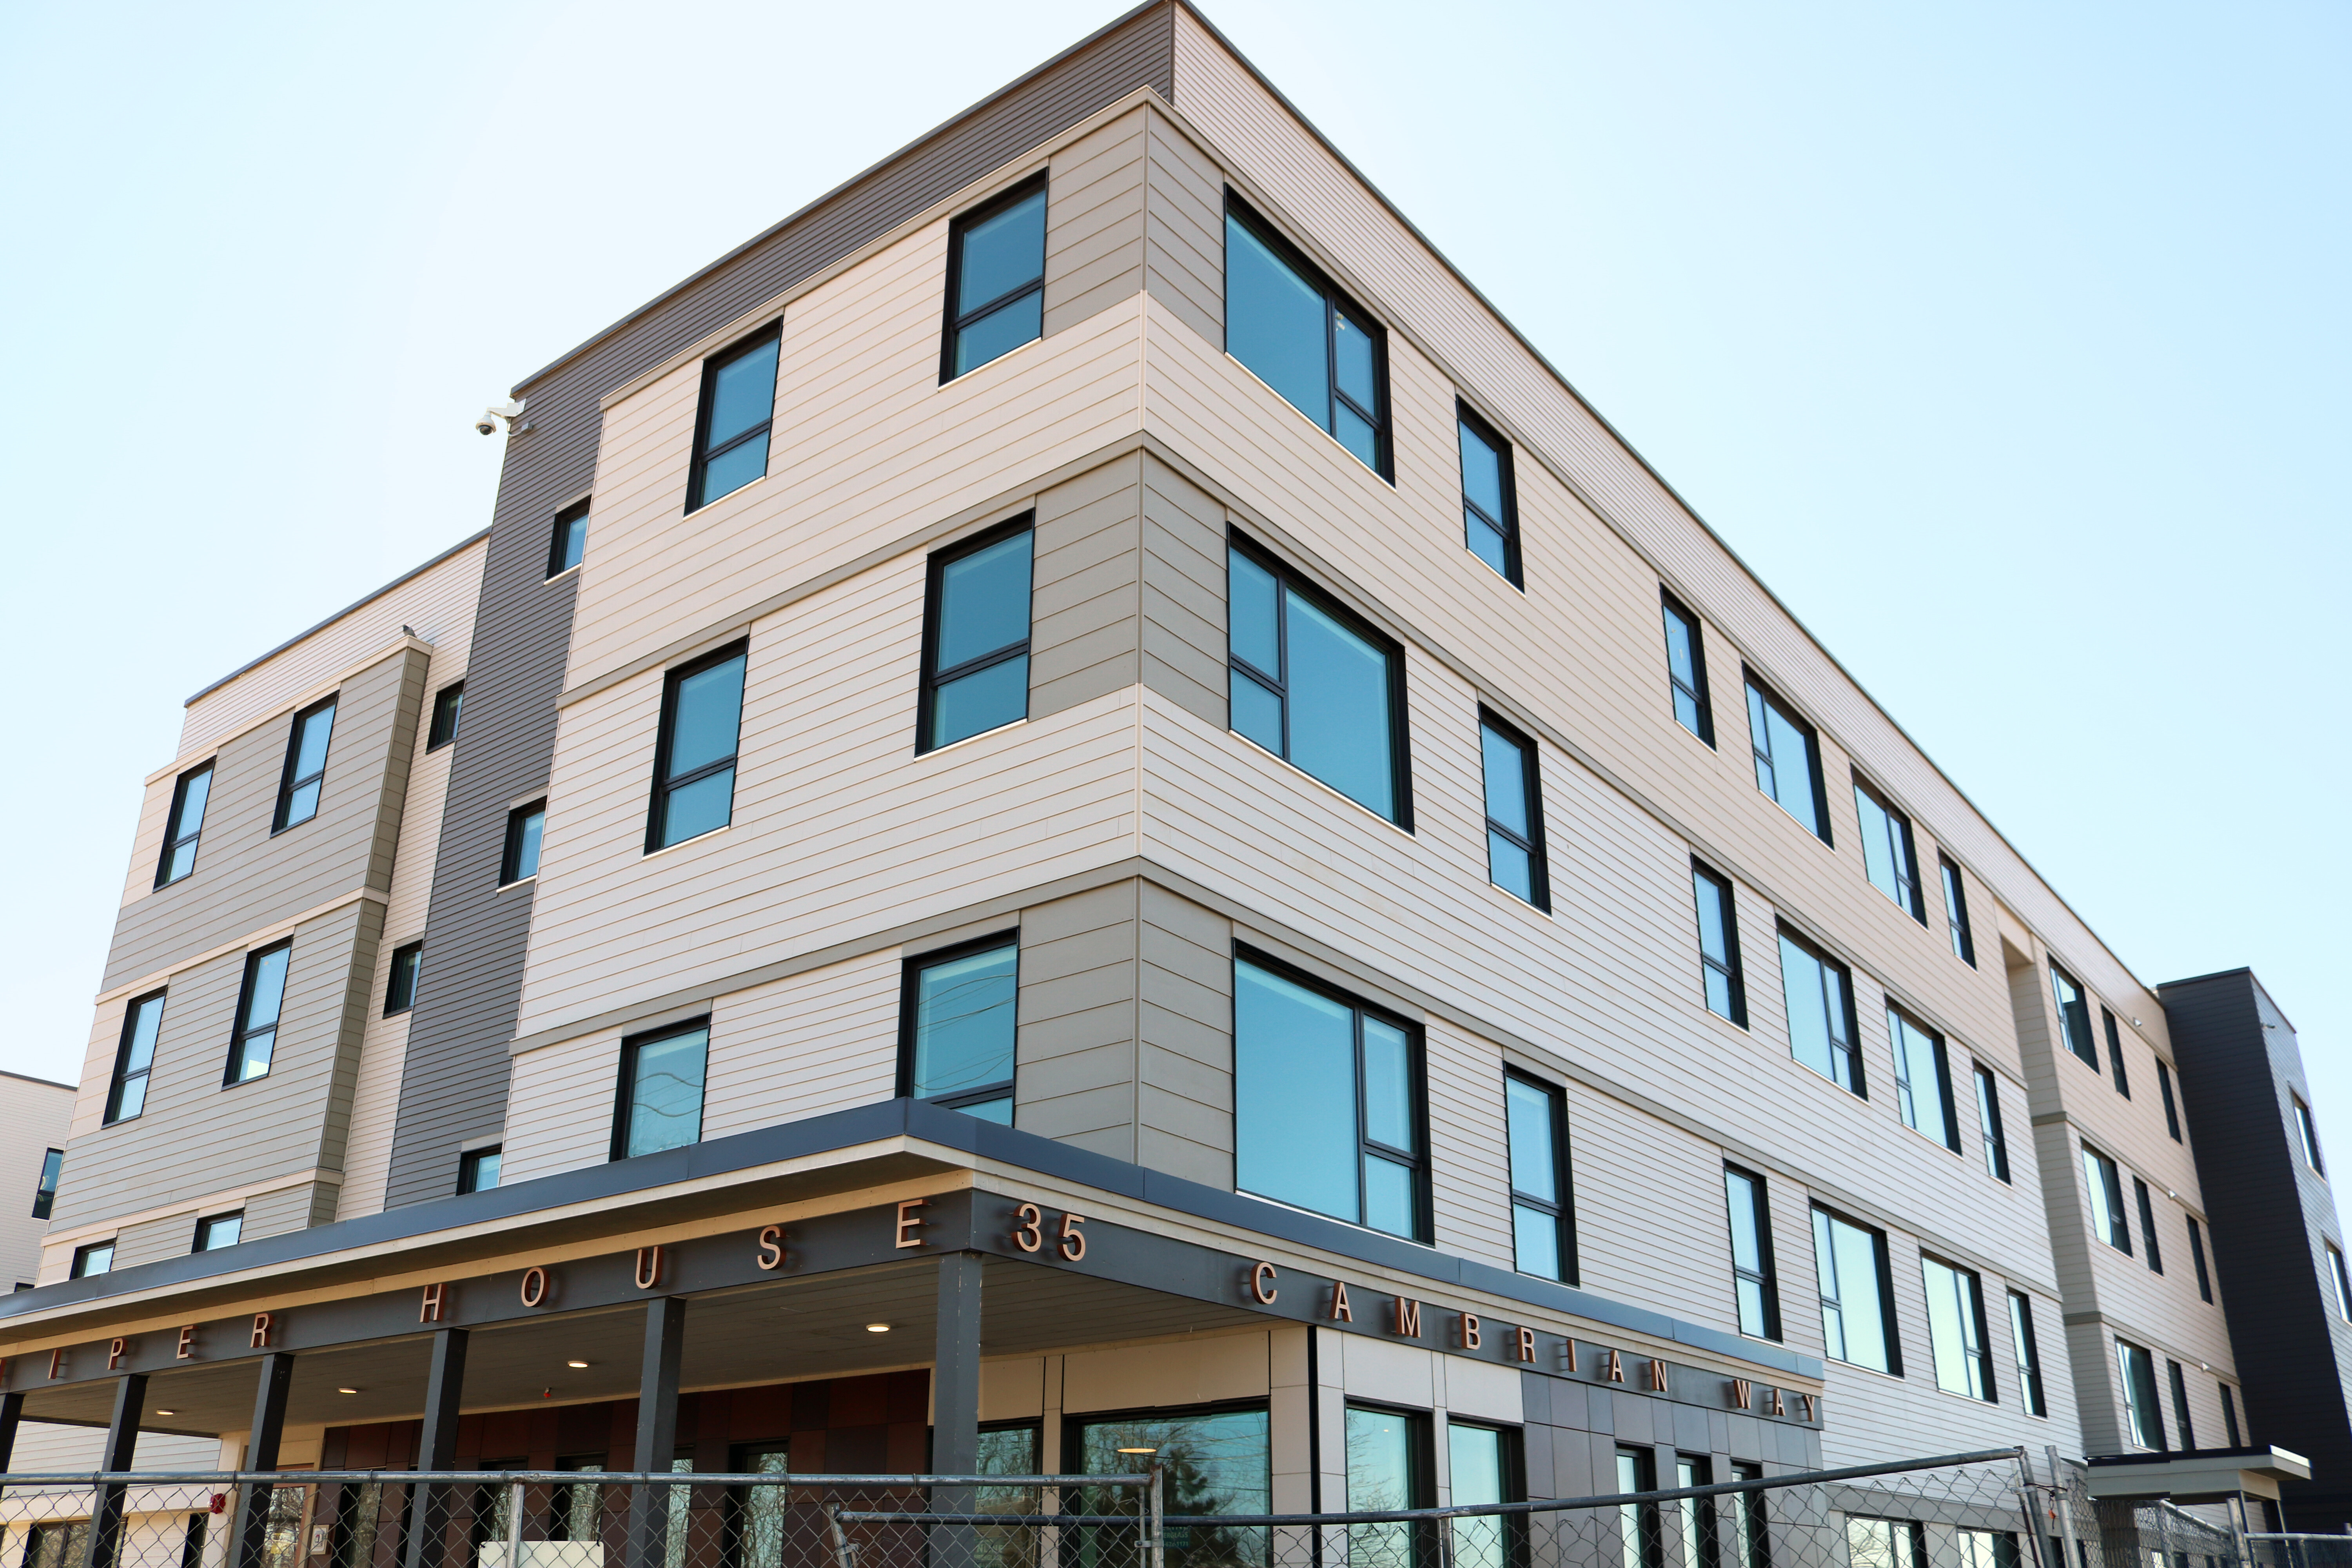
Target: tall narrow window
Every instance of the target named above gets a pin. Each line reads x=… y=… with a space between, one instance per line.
x=660 y=1102
x=1886 y=1543
x=2148 y=1226
x=1752 y=1279
x=2181 y=1405
x=399 y=988
x=1514 y=842
x=1788 y=760
x=526 y=826
x=448 y=707
x=996 y=279
x=2144 y=1422
x=694 y=758
x=257 y=1006
x=2074 y=1016
x=1755 y=1538
x=2197 y=1257
x=567 y=545
x=1719 y=946
x=1638 y=1534
x=1996 y=1145
x=1484 y=1466
x=143 y=1020
x=1388 y=1468
x=1315 y=688
x=1305 y=339
x=731 y=425
x=956 y=1036
x=2230 y=1414
x=306 y=766
x=1955 y=1330
x=1695 y=1535
x=1490 y=512
x=96 y=1258
x=1956 y=913
x=1686 y=669
x=2339 y=1283
x=2029 y=1355
x=1821 y=1013
x=1327 y=1098
x=477 y=1169
x=2115 y=1053
x=2108 y=1222
x=182 y=828
x=2164 y=1092
x=976 y=638
x=1539 y=1214
x=216 y=1231
x=1857 y=1300
x=1923 y=1082
x=2307 y=1133
x=1887 y=853
x=45 y=1195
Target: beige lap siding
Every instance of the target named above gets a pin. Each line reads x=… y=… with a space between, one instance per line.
x=818 y=1042
x=560 y=1103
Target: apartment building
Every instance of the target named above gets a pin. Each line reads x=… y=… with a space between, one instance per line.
x=1072 y=795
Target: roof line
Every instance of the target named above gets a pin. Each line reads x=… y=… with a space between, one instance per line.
x=28 y=1078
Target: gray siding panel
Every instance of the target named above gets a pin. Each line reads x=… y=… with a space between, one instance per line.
x=1083 y=621
x=1184 y=593
x=1186 y=1019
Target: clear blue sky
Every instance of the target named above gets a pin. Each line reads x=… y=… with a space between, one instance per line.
x=2007 y=343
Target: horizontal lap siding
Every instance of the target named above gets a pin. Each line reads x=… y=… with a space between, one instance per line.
x=817 y=1042
x=1085 y=629
x=1183 y=632
x=1185 y=1021
x=1184 y=257
x=1094 y=222
x=560 y=1109
x=1469 y=1154
x=1075 y=1067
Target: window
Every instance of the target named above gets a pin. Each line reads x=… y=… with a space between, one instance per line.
x=2307 y=1133
x=956 y=1027
x=95 y=1259
x=1821 y=1013
x=2181 y=1405
x=739 y=403
x=2230 y=1414
x=448 y=707
x=1749 y=1519
x=1224 y=1456
x=1996 y=1146
x=1637 y=1523
x=2339 y=1282
x=44 y=1196
x=1304 y=339
x=2147 y=1224
x=184 y=825
x=1788 y=760
x=2197 y=1257
x=1327 y=1099
x=2144 y=1423
x=61 y=1544
x=2116 y=1054
x=1886 y=1543
x=694 y=756
x=526 y=824
x=661 y=1090
x=1697 y=1515
x=1537 y=1115
x=1314 y=687
x=219 y=1230
x=1923 y=1083
x=258 y=1007
x=1955 y=1330
x=575 y=1506
x=399 y=990
x=567 y=545
x=1719 y=946
x=1490 y=508
x=2074 y=1016
x=996 y=279
x=134 y=1058
x=1887 y=853
x=1987 y=1548
x=1514 y=846
x=1956 y=913
x=976 y=638
x=1752 y=1280
x=2164 y=1092
x=1482 y=1465
x=306 y=766
x=1686 y=669
x=1389 y=1469
x=477 y=1169
x=2028 y=1356
x=2108 y=1219
x=1857 y=1296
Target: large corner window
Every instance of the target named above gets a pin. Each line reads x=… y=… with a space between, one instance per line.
x=2073 y=1015
x=957 y=1013
x=1719 y=946
x=1923 y=1081
x=258 y=1004
x=1686 y=669
x=1821 y=1013
x=660 y=1102
x=45 y=1195
x=1315 y=687
x=1305 y=339
x=2028 y=1353
x=448 y=707
x=1788 y=760
x=526 y=828
x=1490 y=508
x=1857 y=1296
x=2104 y=1182
x=1887 y=852
x=1542 y=1241
x=731 y=425
x=1956 y=913
x=2143 y=1418
x=1514 y=838
x=567 y=543
x=1996 y=1143
x=1328 y=1104
x=182 y=828
x=306 y=766
x=134 y=1058
x=996 y=279
x=1753 y=1282
x=976 y=637
x=2115 y=1053
x=1956 y=1329
x=694 y=758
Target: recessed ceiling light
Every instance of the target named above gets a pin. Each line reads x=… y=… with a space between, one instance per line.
x=347 y=1391
x=878 y=1328
x=575 y=1363
x=1139 y=1450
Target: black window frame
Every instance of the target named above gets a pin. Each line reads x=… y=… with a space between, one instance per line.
x=624 y=1101
x=2145 y=1202
x=910 y=981
x=1978 y=1324
x=2077 y=1040
x=1753 y=1535
x=287 y=782
x=469 y=1168
x=1763 y=692
x=955 y=324
x=1860 y=1086
x=698 y=468
x=175 y=832
x=1694 y=629
x=1467 y=420
x=2027 y=1350
x=1905 y=1089
x=935 y=607
x=1956 y=923
x=1336 y=302
x=1695 y=1518
x=2197 y=1257
x=2229 y=1413
x=44 y=1190
x=2116 y=1052
x=119 y=1078
x=1887 y=1322
x=2141 y=1395
x=1989 y=1124
x=2180 y=1421
x=2171 y=1105
x=87 y=1251
x=202 y=1240
x=1642 y=1517
x=1562 y=1210
x=241 y=1037
x=449 y=716
x=511 y=871
x=1730 y=967
x=1912 y=899
x=1767 y=1277
x=2111 y=1192
x=1420 y=1458
x=2306 y=1133
x=559 y=540
x=1533 y=842
x=665 y=786
x=400 y=977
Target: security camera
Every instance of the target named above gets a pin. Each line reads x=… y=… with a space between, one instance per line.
x=486 y=425
x=498 y=413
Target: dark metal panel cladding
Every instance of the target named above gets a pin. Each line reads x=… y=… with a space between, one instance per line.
x=454 y=1086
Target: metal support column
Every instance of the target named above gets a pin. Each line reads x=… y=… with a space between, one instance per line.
x=437 y=1449
x=649 y=1505
x=121 y=1446
x=955 y=1401
x=252 y=1539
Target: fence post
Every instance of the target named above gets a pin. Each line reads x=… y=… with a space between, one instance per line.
x=2237 y=1506
x=514 y=1525
x=1159 y=1555
x=2033 y=1533
x=843 y=1557
x=2066 y=1486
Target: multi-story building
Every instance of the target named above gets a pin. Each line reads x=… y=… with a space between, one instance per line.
x=1074 y=795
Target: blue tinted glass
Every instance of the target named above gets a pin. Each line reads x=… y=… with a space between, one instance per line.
x=1000 y=1112
x=735 y=468
x=1792 y=751
x=998 y=694
x=575 y=542
x=984 y=601
x=1878 y=835
x=486 y=1171
x=1000 y=331
x=527 y=836
x=1718 y=992
x=1388 y=1085
x=1535 y=1237
x=1856 y=1251
x=1759 y=737
x=1535 y=1165
x=1388 y=1195
x=1486 y=544
x=222 y=1232
x=133 y=1099
x=963 y=1022
x=253 y=1059
x=1678 y=654
x=1357 y=437
x=184 y=861
x=1747 y=1242
x=1258 y=712
x=1002 y=253
x=703 y=807
x=198 y=790
x=142 y=1052
x=311 y=755
x=1351 y=353
x=666 y=1093
x=1274 y=323
x=1482 y=474
x=268 y=991
x=1711 y=934
x=1256 y=633
x=1685 y=710
x=708 y=718
x=1294 y=1094
x=303 y=804
x=1510 y=868
x=1506 y=780
x=1916 y=1054
x=1803 y=980
x=742 y=395
x=1340 y=708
